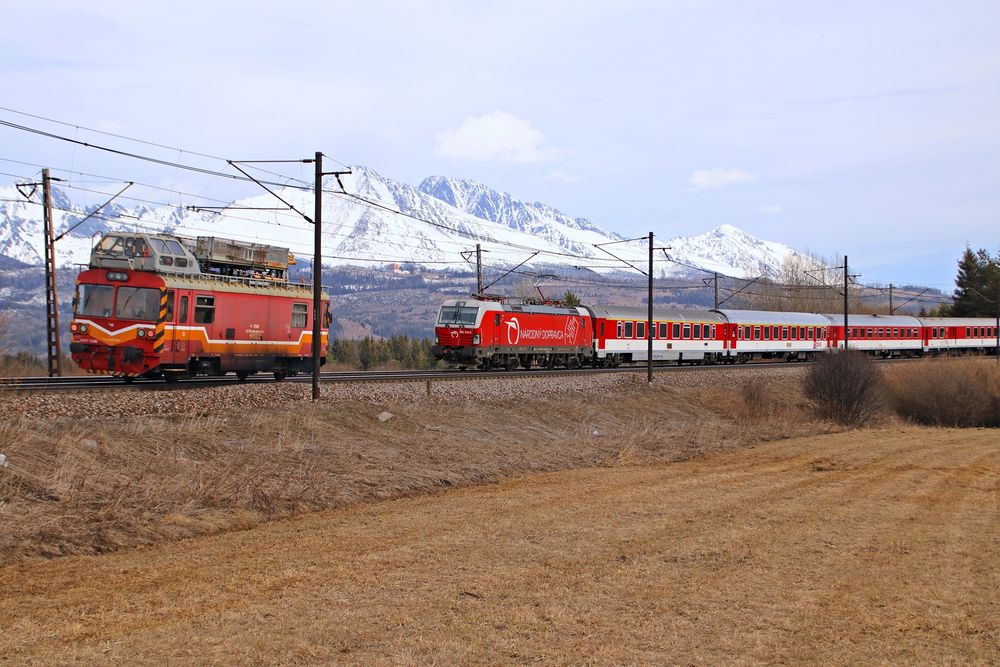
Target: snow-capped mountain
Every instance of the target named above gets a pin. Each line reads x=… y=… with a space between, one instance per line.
x=377 y=221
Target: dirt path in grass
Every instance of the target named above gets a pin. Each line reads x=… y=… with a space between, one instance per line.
x=872 y=547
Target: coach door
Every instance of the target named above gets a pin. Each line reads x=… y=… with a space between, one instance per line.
x=176 y=332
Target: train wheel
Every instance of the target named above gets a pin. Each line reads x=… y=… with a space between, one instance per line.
x=511 y=363
x=279 y=375
x=242 y=375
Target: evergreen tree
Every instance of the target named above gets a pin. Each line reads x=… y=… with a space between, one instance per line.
x=977 y=285
x=570 y=299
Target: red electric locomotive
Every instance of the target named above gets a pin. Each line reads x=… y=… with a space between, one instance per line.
x=155 y=305
x=492 y=334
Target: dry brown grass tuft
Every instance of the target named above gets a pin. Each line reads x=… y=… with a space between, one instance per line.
x=947 y=392
x=76 y=486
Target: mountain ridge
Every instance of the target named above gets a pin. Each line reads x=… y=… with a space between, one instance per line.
x=378 y=221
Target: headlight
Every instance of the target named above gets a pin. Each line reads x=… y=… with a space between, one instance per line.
x=83 y=328
x=475 y=339
x=142 y=333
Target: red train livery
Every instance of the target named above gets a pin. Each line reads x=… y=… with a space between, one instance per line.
x=161 y=306
x=490 y=334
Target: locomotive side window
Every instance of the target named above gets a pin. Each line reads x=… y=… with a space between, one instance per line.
x=184 y=310
x=138 y=303
x=299 y=313
x=96 y=300
x=204 y=309
x=602 y=328
x=170 y=306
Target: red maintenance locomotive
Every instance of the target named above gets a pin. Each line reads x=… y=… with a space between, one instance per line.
x=160 y=306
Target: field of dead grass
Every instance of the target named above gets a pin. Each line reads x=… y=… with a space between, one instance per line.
x=870 y=547
x=133 y=477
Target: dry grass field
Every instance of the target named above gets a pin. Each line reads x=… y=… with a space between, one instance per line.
x=874 y=547
x=706 y=519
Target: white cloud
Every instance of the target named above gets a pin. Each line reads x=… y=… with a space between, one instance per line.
x=562 y=176
x=717 y=178
x=494 y=136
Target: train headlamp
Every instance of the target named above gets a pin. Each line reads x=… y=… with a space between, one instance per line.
x=475 y=339
x=83 y=328
x=118 y=276
x=142 y=333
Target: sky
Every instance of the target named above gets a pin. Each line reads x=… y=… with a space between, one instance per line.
x=870 y=129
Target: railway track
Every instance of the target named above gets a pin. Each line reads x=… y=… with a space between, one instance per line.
x=93 y=382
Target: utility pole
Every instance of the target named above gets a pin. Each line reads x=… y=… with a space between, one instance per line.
x=716 y=291
x=51 y=302
x=890 y=299
x=479 y=270
x=847 y=330
x=317 y=275
x=649 y=318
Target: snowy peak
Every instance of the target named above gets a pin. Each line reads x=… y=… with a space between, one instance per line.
x=731 y=251
x=381 y=221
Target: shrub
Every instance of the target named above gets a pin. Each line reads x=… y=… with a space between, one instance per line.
x=844 y=387
x=948 y=392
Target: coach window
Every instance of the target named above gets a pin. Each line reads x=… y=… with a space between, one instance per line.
x=967 y=334
x=640 y=330
x=687 y=331
x=629 y=329
x=663 y=329
x=299 y=313
x=756 y=333
x=784 y=333
x=696 y=331
x=795 y=333
x=675 y=331
x=767 y=333
x=204 y=309
x=748 y=333
x=618 y=330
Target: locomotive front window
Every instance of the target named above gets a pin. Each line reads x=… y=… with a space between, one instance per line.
x=96 y=300
x=112 y=245
x=458 y=315
x=138 y=303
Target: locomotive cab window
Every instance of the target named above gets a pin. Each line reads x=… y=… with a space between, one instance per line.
x=138 y=303
x=204 y=309
x=299 y=313
x=95 y=300
x=458 y=315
